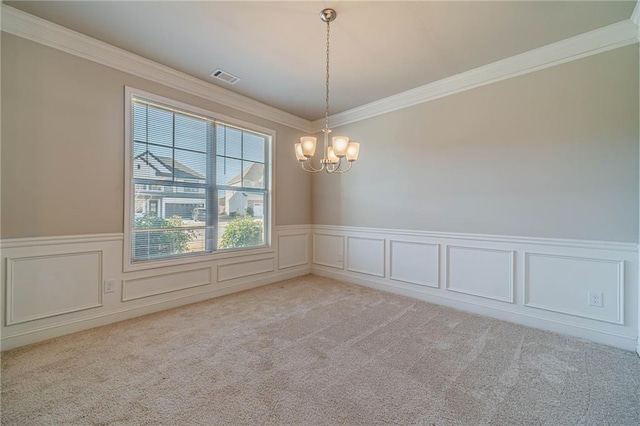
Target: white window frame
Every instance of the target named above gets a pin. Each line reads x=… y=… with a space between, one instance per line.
x=129 y=214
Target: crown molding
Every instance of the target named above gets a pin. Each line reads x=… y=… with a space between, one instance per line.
x=635 y=16
x=32 y=28
x=591 y=43
x=52 y=35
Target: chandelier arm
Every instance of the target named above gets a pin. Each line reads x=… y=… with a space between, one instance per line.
x=345 y=170
x=310 y=168
x=334 y=167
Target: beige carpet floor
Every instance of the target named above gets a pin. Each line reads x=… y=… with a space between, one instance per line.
x=313 y=351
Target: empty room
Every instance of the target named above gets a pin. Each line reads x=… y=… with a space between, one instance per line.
x=311 y=212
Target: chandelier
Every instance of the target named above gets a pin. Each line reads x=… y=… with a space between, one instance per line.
x=340 y=147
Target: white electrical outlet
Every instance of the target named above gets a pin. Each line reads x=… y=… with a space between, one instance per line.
x=109 y=286
x=595 y=298
x=339 y=258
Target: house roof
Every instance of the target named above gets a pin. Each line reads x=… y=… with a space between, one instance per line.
x=254 y=173
x=173 y=168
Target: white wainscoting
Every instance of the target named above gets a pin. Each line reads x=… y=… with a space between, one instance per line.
x=328 y=250
x=480 y=272
x=539 y=282
x=165 y=283
x=293 y=250
x=54 y=286
x=415 y=263
x=366 y=255
x=562 y=284
x=45 y=286
x=245 y=268
x=549 y=278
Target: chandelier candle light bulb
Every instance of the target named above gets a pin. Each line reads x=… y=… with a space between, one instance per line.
x=340 y=146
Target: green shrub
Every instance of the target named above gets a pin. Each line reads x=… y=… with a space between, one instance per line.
x=242 y=231
x=169 y=238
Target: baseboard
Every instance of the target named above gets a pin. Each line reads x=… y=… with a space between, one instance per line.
x=52 y=331
x=478 y=307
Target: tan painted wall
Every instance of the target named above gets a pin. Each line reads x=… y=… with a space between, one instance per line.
x=548 y=154
x=63 y=145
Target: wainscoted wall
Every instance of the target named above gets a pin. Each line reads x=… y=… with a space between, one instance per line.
x=55 y=286
x=540 y=282
x=58 y=285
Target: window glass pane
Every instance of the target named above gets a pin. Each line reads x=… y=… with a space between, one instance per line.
x=228 y=171
x=253 y=148
x=220 y=145
x=190 y=166
x=168 y=221
x=172 y=160
x=159 y=243
x=139 y=148
x=228 y=141
x=191 y=133
x=241 y=220
x=139 y=122
x=253 y=174
x=152 y=162
x=167 y=202
x=160 y=125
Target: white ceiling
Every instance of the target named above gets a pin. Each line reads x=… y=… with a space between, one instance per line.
x=377 y=48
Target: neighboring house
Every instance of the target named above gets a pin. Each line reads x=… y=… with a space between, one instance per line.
x=166 y=201
x=238 y=201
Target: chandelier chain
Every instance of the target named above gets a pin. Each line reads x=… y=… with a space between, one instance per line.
x=326 y=109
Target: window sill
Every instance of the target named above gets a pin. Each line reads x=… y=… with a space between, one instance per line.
x=129 y=266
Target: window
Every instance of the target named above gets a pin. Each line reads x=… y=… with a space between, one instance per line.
x=198 y=185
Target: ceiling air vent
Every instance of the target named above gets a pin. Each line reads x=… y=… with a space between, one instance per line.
x=225 y=76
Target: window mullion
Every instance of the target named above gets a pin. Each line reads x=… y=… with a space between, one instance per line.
x=173 y=146
x=160 y=182
x=241 y=158
x=241 y=189
x=211 y=232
